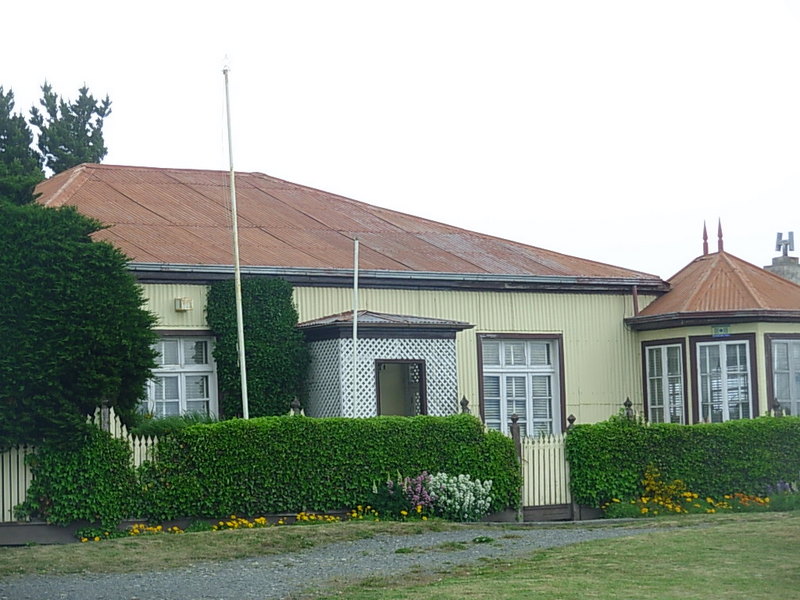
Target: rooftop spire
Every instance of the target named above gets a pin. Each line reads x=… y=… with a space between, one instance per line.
x=705 y=239
x=719 y=236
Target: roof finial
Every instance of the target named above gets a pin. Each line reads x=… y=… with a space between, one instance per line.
x=719 y=237
x=705 y=239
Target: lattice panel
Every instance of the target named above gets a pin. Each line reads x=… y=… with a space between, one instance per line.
x=324 y=380
x=440 y=364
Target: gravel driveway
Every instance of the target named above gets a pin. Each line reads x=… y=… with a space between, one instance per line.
x=293 y=574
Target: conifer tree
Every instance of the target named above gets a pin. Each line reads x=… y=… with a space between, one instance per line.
x=70 y=133
x=20 y=164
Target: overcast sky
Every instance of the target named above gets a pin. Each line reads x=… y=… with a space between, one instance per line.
x=603 y=129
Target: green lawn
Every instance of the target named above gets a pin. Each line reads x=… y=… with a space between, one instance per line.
x=750 y=556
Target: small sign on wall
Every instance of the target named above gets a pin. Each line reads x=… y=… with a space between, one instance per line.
x=720 y=331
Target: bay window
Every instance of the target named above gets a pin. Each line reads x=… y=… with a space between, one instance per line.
x=665 y=383
x=785 y=364
x=724 y=380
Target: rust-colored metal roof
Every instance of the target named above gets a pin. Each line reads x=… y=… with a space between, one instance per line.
x=181 y=216
x=367 y=318
x=382 y=325
x=721 y=286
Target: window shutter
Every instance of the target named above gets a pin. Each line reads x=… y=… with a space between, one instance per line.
x=514 y=354
x=491 y=353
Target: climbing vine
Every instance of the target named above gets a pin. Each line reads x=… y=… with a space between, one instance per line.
x=276 y=353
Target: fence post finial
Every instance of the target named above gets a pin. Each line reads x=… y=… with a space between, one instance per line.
x=628 y=408
x=571 y=422
x=464 y=405
x=295 y=407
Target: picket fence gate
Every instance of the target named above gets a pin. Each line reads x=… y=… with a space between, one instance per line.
x=15 y=474
x=545 y=471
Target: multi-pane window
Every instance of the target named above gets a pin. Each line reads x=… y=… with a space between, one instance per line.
x=665 y=394
x=786 y=374
x=521 y=377
x=183 y=380
x=724 y=381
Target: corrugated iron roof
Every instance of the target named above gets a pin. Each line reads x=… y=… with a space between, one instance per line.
x=720 y=285
x=172 y=216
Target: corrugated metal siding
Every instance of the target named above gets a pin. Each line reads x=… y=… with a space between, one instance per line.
x=161 y=301
x=601 y=355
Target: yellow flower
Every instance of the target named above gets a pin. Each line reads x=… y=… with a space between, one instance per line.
x=404 y=512
x=424 y=518
x=83 y=539
x=97 y=538
x=644 y=510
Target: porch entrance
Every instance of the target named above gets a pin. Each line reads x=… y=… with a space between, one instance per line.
x=401 y=387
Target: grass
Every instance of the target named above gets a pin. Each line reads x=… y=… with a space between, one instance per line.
x=732 y=556
x=751 y=556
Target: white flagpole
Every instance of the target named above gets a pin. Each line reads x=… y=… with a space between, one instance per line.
x=355 y=324
x=237 y=275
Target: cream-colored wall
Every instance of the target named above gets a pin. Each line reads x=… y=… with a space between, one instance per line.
x=161 y=301
x=759 y=329
x=601 y=355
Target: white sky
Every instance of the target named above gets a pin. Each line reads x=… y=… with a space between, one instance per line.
x=604 y=129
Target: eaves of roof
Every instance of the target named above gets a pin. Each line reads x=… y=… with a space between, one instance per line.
x=371 y=278
x=718 y=317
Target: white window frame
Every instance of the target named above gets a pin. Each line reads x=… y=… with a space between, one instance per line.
x=181 y=370
x=517 y=380
x=706 y=382
x=671 y=402
x=791 y=372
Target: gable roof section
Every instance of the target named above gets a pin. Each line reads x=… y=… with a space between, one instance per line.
x=721 y=288
x=178 y=221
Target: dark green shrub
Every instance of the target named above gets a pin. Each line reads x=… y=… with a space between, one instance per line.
x=73 y=328
x=608 y=460
x=89 y=480
x=289 y=464
x=276 y=354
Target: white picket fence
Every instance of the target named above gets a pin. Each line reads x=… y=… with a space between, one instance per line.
x=15 y=475
x=141 y=447
x=545 y=471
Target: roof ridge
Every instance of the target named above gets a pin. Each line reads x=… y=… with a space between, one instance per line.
x=744 y=280
x=704 y=276
x=72 y=176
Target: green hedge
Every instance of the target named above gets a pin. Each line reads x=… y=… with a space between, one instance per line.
x=607 y=460
x=86 y=480
x=288 y=464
